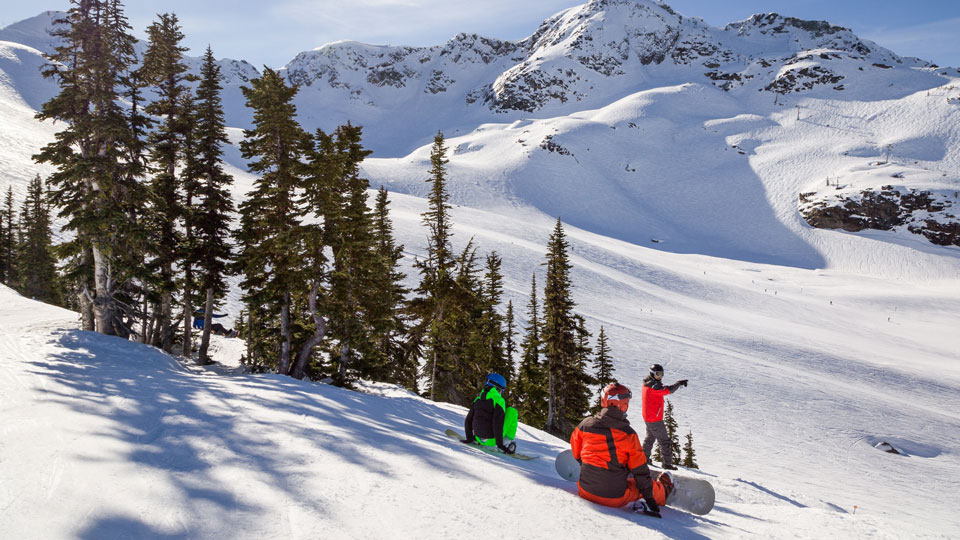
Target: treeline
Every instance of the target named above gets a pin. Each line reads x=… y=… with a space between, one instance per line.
x=146 y=205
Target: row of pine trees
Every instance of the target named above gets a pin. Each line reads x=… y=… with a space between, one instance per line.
x=147 y=208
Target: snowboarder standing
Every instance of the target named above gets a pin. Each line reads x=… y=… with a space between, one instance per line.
x=652 y=399
x=490 y=421
x=613 y=465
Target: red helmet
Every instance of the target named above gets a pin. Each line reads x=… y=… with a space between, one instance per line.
x=616 y=395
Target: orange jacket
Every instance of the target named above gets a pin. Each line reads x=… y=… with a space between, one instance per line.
x=611 y=458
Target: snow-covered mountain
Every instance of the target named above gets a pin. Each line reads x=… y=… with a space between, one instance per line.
x=687 y=163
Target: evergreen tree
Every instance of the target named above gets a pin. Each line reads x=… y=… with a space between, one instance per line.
x=671 y=424
x=388 y=326
x=8 y=241
x=559 y=338
x=212 y=214
x=494 y=358
x=95 y=186
x=35 y=261
x=531 y=388
x=580 y=396
x=350 y=233
x=164 y=69
x=689 y=454
x=434 y=301
x=509 y=345
x=272 y=254
x=602 y=363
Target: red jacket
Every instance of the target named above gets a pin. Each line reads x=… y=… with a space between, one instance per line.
x=651 y=398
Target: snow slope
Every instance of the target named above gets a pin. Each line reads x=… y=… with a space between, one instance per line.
x=105 y=438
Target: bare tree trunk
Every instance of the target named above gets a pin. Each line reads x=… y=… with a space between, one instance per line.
x=285 y=335
x=187 y=313
x=551 y=424
x=299 y=370
x=207 y=321
x=104 y=305
x=145 y=330
x=166 y=314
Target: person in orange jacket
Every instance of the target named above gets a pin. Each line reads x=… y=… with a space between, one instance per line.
x=613 y=465
x=652 y=401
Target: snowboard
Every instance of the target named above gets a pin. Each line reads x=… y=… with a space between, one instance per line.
x=693 y=495
x=488 y=449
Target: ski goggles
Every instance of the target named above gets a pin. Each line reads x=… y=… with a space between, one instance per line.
x=657 y=373
x=625 y=395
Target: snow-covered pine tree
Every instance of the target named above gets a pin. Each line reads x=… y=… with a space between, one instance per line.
x=213 y=252
x=38 y=269
x=271 y=254
x=689 y=454
x=95 y=186
x=164 y=70
x=559 y=339
x=531 y=389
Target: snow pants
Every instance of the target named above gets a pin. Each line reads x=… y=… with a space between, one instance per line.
x=657 y=431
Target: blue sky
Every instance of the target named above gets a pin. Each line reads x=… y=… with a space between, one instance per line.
x=272 y=32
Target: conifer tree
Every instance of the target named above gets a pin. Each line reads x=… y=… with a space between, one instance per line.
x=95 y=187
x=531 y=387
x=560 y=340
x=602 y=362
x=8 y=241
x=671 y=424
x=579 y=398
x=353 y=246
x=35 y=261
x=271 y=254
x=388 y=326
x=214 y=205
x=689 y=453
x=164 y=69
x=433 y=303
x=509 y=345
x=494 y=359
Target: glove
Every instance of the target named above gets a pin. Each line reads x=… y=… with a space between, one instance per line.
x=649 y=508
x=683 y=382
x=508 y=449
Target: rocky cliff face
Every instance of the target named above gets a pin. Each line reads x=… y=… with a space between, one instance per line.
x=927 y=213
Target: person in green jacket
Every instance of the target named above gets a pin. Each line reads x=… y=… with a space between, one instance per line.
x=490 y=421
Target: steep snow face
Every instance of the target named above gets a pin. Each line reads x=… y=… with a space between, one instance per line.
x=34 y=32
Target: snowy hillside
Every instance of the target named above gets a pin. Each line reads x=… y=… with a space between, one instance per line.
x=105 y=438
x=680 y=158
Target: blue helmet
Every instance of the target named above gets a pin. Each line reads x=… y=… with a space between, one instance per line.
x=497 y=380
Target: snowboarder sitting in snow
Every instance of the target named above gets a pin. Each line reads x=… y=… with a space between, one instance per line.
x=613 y=465
x=216 y=328
x=490 y=421
x=652 y=396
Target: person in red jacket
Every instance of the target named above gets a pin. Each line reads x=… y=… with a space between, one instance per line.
x=613 y=466
x=652 y=399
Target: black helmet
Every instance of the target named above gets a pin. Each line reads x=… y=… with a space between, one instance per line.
x=657 y=370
